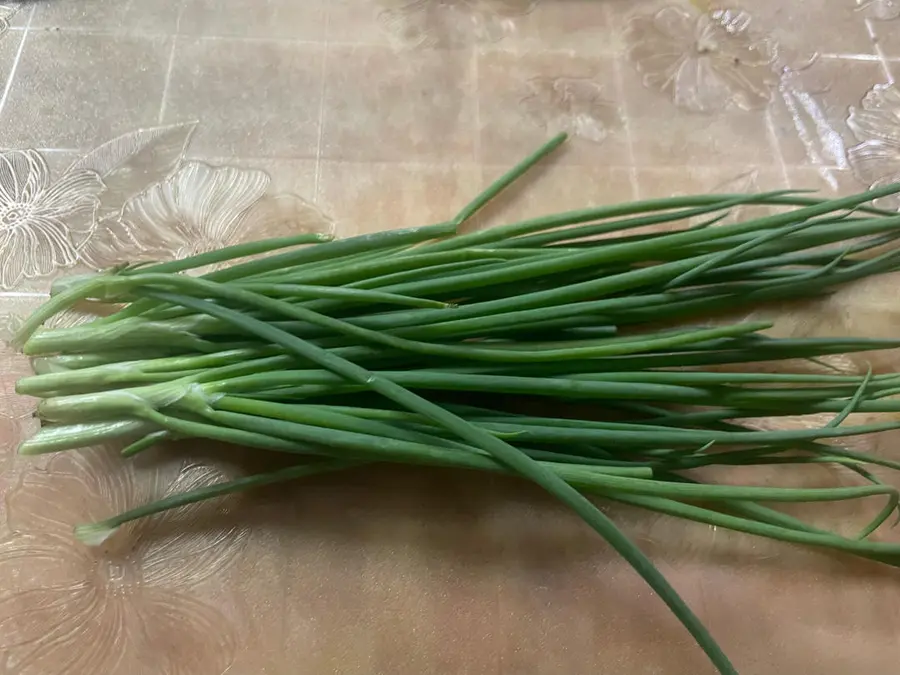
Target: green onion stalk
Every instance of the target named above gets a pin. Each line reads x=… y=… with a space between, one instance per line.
x=433 y=345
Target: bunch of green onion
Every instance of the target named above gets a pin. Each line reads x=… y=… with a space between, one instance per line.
x=419 y=345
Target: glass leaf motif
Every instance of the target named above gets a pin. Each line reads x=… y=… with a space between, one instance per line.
x=876 y=126
x=7 y=12
x=133 y=606
x=201 y=208
x=197 y=209
x=705 y=62
x=576 y=105
x=134 y=199
x=451 y=23
x=132 y=162
x=177 y=553
x=823 y=143
x=881 y=10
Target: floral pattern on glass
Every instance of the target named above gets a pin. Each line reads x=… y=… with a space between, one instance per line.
x=198 y=209
x=7 y=12
x=881 y=10
x=807 y=108
x=876 y=125
x=42 y=223
x=134 y=606
x=201 y=208
x=576 y=105
x=705 y=62
x=187 y=207
x=134 y=199
x=451 y=23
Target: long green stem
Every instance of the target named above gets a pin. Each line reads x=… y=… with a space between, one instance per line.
x=883 y=552
x=508 y=179
x=528 y=308
x=504 y=453
x=94 y=534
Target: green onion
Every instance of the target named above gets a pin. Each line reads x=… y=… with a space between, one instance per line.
x=432 y=347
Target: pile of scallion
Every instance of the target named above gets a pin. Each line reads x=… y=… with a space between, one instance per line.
x=419 y=345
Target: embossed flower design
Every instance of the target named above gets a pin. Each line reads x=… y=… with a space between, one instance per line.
x=704 y=61
x=42 y=223
x=876 y=125
x=576 y=105
x=131 y=608
x=451 y=23
x=6 y=13
x=201 y=208
x=881 y=10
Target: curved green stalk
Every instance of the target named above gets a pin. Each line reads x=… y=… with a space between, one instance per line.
x=883 y=552
x=94 y=534
x=508 y=179
x=505 y=453
x=523 y=291
x=233 y=252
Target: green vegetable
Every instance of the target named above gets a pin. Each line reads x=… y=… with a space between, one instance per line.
x=347 y=353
